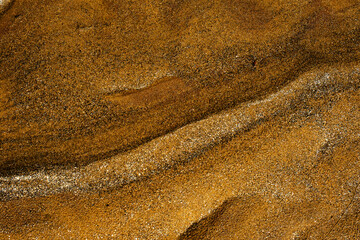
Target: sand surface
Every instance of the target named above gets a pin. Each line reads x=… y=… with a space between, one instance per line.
x=179 y=119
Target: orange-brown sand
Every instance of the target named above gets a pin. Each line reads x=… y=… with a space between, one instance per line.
x=179 y=119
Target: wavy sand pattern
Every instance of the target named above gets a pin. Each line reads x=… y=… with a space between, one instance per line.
x=183 y=144
x=175 y=119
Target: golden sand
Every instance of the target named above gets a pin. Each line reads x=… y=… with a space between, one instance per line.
x=179 y=119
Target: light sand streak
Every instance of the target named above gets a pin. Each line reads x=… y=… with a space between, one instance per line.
x=181 y=145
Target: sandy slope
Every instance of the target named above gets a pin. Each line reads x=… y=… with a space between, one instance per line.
x=292 y=175
x=185 y=143
x=63 y=61
x=191 y=119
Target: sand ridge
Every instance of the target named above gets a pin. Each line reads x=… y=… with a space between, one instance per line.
x=295 y=175
x=188 y=119
x=181 y=145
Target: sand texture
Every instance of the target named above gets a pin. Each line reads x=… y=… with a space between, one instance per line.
x=182 y=119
